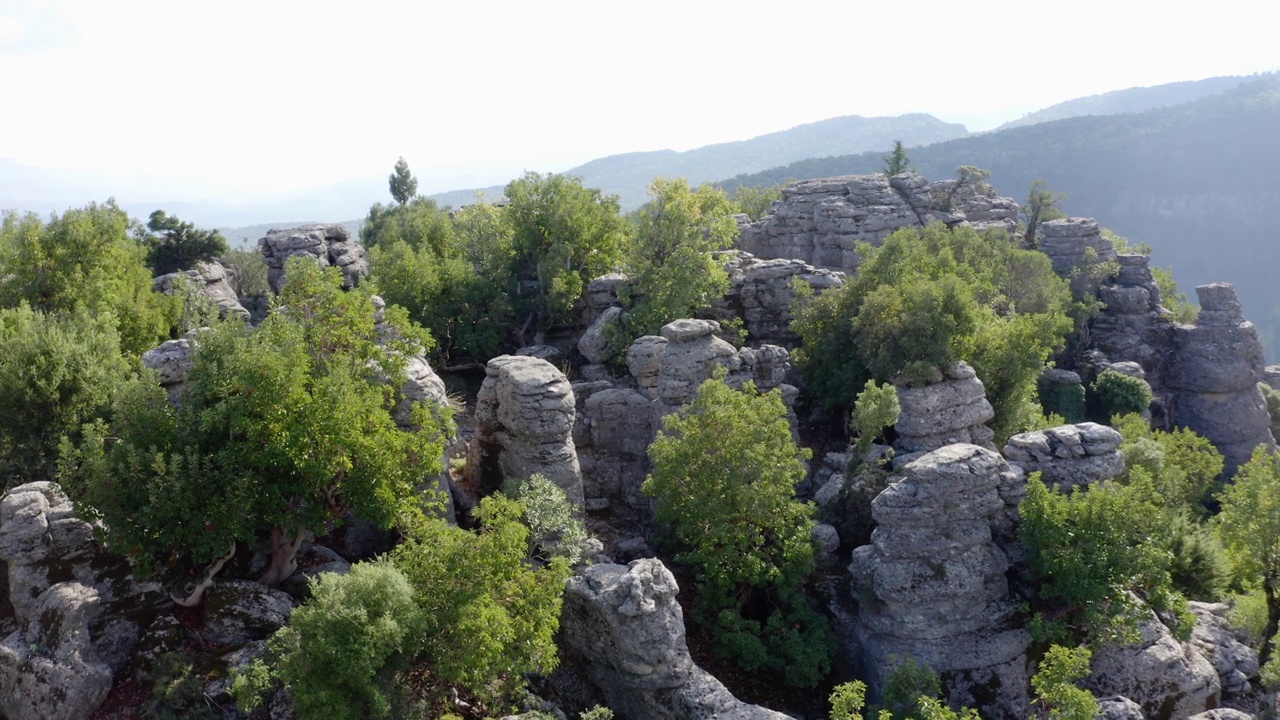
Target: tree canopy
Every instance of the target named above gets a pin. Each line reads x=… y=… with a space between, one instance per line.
x=404 y=186
x=175 y=245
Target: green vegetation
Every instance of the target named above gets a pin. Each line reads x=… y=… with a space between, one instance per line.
x=178 y=245
x=896 y=161
x=1056 y=696
x=554 y=527
x=1249 y=526
x=282 y=428
x=875 y=409
x=1114 y=393
x=1042 y=205
x=927 y=298
x=404 y=186
x=755 y=202
x=724 y=472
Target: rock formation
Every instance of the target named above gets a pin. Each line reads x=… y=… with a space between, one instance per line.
x=1167 y=678
x=613 y=430
x=211 y=280
x=760 y=293
x=172 y=361
x=524 y=425
x=1132 y=326
x=625 y=623
x=328 y=244
x=932 y=583
x=952 y=408
x=1214 y=372
x=1213 y=637
x=1073 y=243
x=821 y=221
x=1068 y=455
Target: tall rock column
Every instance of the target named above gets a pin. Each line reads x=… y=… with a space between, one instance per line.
x=1214 y=374
x=952 y=408
x=932 y=582
x=524 y=426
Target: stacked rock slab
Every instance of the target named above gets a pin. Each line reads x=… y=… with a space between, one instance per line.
x=211 y=280
x=1214 y=373
x=951 y=408
x=625 y=623
x=1226 y=649
x=760 y=292
x=932 y=582
x=1073 y=243
x=524 y=426
x=1132 y=326
x=1068 y=455
x=821 y=221
x=327 y=244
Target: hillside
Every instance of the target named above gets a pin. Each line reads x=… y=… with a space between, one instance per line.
x=628 y=175
x=1197 y=182
x=1130 y=100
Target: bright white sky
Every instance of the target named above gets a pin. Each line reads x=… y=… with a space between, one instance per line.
x=270 y=96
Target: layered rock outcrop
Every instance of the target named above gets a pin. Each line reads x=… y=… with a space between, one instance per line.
x=327 y=244
x=524 y=426
x=951 y=408
x=932 y=582
x=626 y=625
x=1132 y=326
x=1073 y=243
x=760 y=292
x=1169 y=679
x=1225 y=648
x=211 y=280
x=1068 y=455
x=1214 y=372
x=821 y=221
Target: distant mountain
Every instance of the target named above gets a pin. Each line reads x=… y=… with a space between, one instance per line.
x=628 y=175
x=1199 y=182
x=1132 y=100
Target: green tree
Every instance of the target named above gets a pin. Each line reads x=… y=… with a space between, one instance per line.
x=896 y=161
x=85 y=259
x=1042 y=205
x=875 y=409
x=404 y=186
x=282 y=429
x=724 y=474
x=1249 y=525
x=57 y=372
x=563 y=235
x=756 y=201
x=175 y=245
x=1054 y=685
x=673 y=269
x=1114 y=393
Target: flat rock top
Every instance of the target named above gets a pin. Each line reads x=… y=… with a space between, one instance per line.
x=688 y=329
x=1069 y=227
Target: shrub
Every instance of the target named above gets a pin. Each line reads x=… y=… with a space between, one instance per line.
x=1056 y=695
x=906 y=683
x=1114 y=393
x=1067 y=400
x=554 y=526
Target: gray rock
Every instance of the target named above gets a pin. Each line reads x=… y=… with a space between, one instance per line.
x=49 y=669
x=525 y=417
x=1116 y=707
x=760 y=293
x=933 y=580
x=1167 y=678
x=625 y=623
x=952 y=410
x=1234 y=660
x=1068 y=455
x=209 y=279
x=690 y=357
x=644 y=362
x=1073 y=243
x=600 y=295
x=327 y=244
x=238 y=611
x=1222 y=714
x=599 y=343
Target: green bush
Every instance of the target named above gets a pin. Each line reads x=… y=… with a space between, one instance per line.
x=724 y=474
x=1180 y=465
x=1061 y=399
x=554 y=525
x=906 y=683
x=1198 y=563
x=1272 y=396
x=177 y=691
x=1056 y=696
x=339 y=651
x=1114 y=393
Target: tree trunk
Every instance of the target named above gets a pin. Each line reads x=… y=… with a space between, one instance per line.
x=195 y=590
x=1273 y=619
x=284 y=556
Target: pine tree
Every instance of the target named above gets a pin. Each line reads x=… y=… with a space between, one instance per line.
x=896 y=161
x=403 y=184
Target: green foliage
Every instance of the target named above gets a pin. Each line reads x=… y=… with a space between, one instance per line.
x=57 y=372
x=1198 y=564
x=84 y=260
x=875 y=409
x=597 y=713
x=896 y=161
x=563 y=235
x=1272 y=397
x=1042 y=206
x=555 y=528
x=927 y=298
x=402 y=183
x=1249 y=527
x=755 y=201
x=488 y=616
x=1062 y=399
x=1181 y=465
x=724 y=472
x=1114 y=393
x=673 y=270
x=339 y=652
x=1173 y=299
x=1056 y=696
x=177 y=245
x=250 y=271
x=176 y=690
x=1091 y=550
x=847 y=700
x=906 y=683
x=286 y=426
x=250 y=685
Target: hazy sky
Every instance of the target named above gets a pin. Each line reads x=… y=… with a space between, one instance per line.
x=270 y=96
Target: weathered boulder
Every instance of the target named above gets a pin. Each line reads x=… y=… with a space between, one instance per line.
x=952 y=408
x=600 y=341
x=1068 y=455
x=1133 y=326
x=209 y=279
x=1073 y=243
x=600 y=295
x=1231 y=657
x=328 y=244
x=1223 y=714
x=1169 y=679
x=49 y=669
x=172 y=361
x=760 y=292
x=524 y=426
x=821 y=221
x=616 y=426
x=933 y=585
x=691 y=355
x=1214 y=372
x=625 y=623
x=1118 y=707
x=237 y=611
